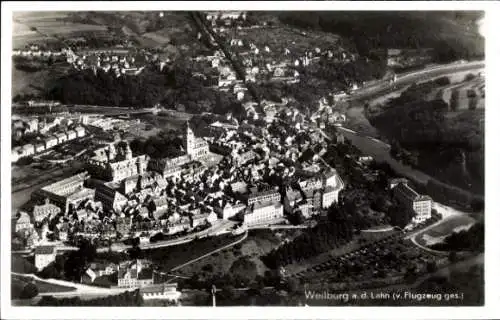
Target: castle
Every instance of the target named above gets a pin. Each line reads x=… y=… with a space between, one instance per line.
x=115 y=165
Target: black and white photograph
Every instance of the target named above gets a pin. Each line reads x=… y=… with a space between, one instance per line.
x=239 y=157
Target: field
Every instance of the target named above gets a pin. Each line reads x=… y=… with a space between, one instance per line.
x=438 y=233
x=168 y=258
x=35 y=26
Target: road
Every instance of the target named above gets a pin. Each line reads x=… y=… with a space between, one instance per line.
x=447 y=213
x=219 y=227
x=411 y=77
x=80 y=289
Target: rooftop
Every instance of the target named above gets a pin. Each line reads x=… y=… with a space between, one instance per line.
x=45 y=250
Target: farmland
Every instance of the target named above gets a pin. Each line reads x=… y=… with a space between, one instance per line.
x=32 y=27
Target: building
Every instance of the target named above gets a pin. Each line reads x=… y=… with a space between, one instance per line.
x=47 y=210
x=271 y=195
x=165 y=291
x=102 y=269
x=244 y=157
x=228 y=210
x=61 y=137
x=80 y=132
x=291 y=198
x=129 y=184
x=28 y=149
x=202 y=219
x=263 y=212
x=23 y=222
x=169 y=167
x=44 y=255
x=110 y=198
x=330 y=196
x=39 y=147
x=50 y=142
x=313 y=198
x=311 y=184
x=71 y=134
x=65 y=193
x=395 y=182
x=111 y=165
x=195 y=147
x=137 y=274
x=420 y=205
x=158 y=206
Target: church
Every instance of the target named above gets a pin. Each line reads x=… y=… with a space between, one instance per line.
x=196 y=148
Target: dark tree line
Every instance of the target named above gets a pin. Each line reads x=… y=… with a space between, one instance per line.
x=173 y=88
x=371 y=31
x=471 y=239
x=165 y=144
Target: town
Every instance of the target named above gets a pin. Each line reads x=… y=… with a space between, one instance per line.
x=101 y=191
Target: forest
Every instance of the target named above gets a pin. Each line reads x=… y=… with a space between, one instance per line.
x=451 y=34
x=174 y=88
x=424 y=134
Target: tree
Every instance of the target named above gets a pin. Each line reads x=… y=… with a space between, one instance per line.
x=452 y=256
x=431 y=266
x=292 y=285
x=243 y=270
x=29 y=291
x=477 y=205
x=78 y=261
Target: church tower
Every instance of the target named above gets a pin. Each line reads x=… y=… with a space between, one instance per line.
x=128 y=152
x=190 y=139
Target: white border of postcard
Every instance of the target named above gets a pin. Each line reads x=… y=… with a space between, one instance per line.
x=492 y=296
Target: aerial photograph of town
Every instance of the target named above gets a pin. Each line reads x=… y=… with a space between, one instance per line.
x=247 y=158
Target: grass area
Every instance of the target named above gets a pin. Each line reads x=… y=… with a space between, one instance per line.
x=169 y=257
x=440 y=232
x=451 y=225
x=258 y=243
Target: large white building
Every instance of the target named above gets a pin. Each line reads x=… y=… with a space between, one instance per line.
x=419 y=204
x=65 y=193
x=166 y=291
x=44 y=255
x=263 y=212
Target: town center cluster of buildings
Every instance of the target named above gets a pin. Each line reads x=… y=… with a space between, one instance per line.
x=50 y=139
x=122 y=195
